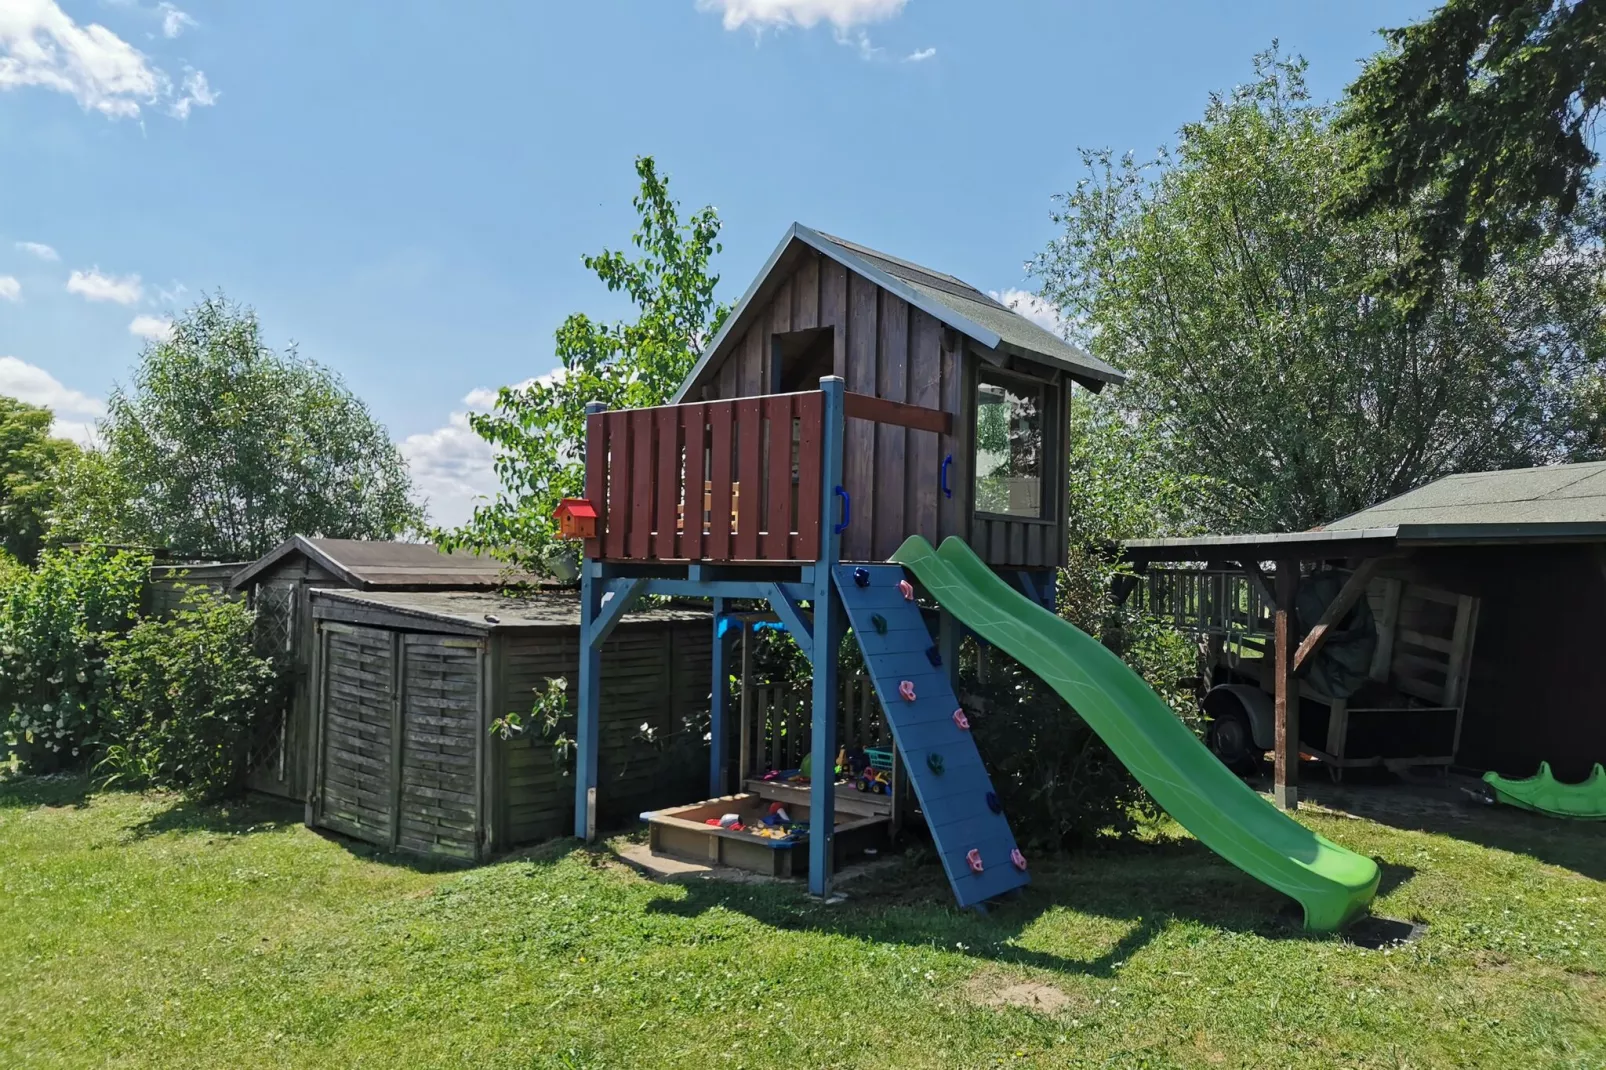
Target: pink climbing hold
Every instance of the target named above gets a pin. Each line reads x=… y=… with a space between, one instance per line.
x=961 y=720
x=1019 y=859
x=907 y=690
x=974 y=859
x=908 y=590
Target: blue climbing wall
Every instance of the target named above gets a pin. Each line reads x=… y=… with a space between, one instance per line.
x=954 y=802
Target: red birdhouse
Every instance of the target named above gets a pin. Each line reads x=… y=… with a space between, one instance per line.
x=577 y=519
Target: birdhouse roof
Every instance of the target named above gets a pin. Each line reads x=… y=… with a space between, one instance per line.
x=575 y=507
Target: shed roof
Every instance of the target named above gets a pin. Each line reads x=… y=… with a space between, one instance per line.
x=987 y=322
x=1552 y=504
x=1555 y=494
x=374 y=565
x=546 y=609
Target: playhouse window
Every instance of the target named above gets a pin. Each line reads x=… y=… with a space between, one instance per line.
x=1009 y=448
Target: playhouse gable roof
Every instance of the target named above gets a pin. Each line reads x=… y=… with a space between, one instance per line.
x=988 y=323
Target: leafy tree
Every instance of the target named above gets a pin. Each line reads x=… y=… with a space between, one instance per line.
x=1262 y=353
x=30 y=464
x=538 y=428
x=1479 y=119
x=223 y=447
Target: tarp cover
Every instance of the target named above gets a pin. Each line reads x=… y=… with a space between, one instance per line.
x=1340 y=666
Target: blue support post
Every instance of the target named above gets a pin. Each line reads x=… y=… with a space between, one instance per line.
x=588 y=706
x=827 y=637
x=719 y=707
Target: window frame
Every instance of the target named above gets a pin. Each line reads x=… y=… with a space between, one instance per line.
x=1049 y=392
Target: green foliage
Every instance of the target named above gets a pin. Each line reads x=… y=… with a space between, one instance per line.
x=56 y=626
x=1480 y=121
x=223 y=447
x=538 y=428
x=30 y=465
x=190 y=697
x=1260 y=354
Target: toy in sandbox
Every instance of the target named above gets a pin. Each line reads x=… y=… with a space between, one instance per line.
x=818 y=509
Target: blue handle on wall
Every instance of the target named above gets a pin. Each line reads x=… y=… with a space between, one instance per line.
x=947 y=491
x=847 y=510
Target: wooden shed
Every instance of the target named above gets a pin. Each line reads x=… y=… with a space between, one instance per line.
x=405 y=686
x=994 y=474
x=1487 y=590
x=278 y=585
x=168 y=582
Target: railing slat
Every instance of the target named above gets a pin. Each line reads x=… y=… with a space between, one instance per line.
x=668 y=485
x=811 y=421
x=596 y=491
x=618 y=516
x=777 y=539
x=720 y=418
x=693 y=421
x=641 y=476
x=750 y=475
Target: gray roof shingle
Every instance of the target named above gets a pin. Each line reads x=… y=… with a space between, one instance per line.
x=1555 y=494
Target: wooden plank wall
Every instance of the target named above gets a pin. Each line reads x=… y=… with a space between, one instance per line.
x=653 y=673
x=358 y=711
x=440 y=738
x=884 y=347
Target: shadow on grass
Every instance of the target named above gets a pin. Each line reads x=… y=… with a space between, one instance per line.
x=54 y=790
x=230 y=817
x=1447 y=810
x=1146 y=886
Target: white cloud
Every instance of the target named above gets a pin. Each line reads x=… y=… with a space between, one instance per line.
x=774 y=14
x=93 y=286
x=453 y=468
x=42 y=47
x=920 y=56
x=39 y=249
x=155 y=328
x=174 y=21
x=10 y=288
x=196 y=93
x=76 y=412
x=1034 y=308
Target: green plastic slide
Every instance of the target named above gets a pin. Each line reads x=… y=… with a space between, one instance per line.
x=1544 y=794
x=1332 y=884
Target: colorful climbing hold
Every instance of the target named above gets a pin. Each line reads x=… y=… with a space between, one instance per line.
x=1019 y=859
x=961 y=720
x=993 y=804
x=879 y=623
x=907 y=589
x=934 y=656
x=973 y=858
x=934 y=763
x=907 y=690
x=861 y=577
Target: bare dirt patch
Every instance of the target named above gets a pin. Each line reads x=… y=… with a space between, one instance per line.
x=993 y=989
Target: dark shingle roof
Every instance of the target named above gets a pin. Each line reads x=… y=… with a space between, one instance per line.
x=952 y=301
x=1556 y=494
x=374 y=565
x=544 y=609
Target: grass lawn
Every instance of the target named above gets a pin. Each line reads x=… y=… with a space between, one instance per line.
x=139 y=931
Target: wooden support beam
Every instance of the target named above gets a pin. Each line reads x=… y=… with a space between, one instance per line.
x=798 y=624
x=1258 y=578
x=719 y=707
x=1354 y=590
x=882 y=411
x=615 y=600
x=1285 y=781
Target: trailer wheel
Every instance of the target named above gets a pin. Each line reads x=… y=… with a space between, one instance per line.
x=1230 y=736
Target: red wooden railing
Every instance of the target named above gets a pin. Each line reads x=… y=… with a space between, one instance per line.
x=735 y=480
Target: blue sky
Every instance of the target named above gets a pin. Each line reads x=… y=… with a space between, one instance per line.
x=405 y=189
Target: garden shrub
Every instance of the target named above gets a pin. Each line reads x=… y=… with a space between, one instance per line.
x=56 y=623
x=190 y=694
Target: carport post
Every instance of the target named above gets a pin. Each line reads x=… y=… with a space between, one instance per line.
x=1285 y=781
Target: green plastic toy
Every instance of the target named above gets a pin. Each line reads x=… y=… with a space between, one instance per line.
x=1544 y=794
